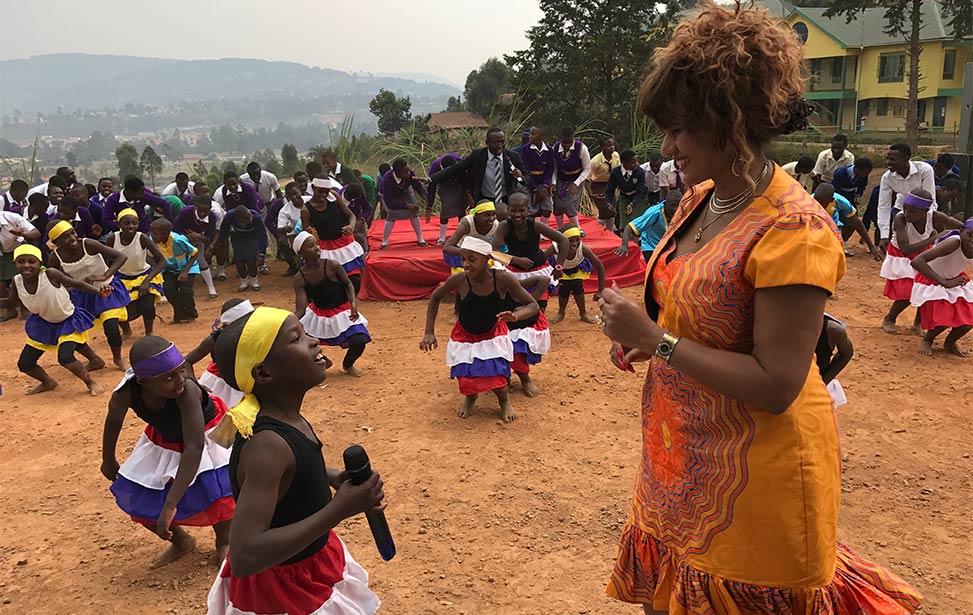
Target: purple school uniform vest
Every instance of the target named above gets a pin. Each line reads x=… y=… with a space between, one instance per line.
x=568 y=168
x=540 y=165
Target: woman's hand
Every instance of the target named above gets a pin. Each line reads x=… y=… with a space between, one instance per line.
x=626 y=322
x=354 y=313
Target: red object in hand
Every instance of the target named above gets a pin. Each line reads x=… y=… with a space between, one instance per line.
x=105 y=291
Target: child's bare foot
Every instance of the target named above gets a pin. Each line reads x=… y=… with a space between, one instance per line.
x=556 y=318
x=95 y=365
x=925 y=348
x=121 y=363
x=466 y=408
x=588 y=318
x=917 y=329
x=94 y=389
x=43 y=387
x=889 y=326
x=507 y=413
x=530 y=389
x=177 y=549
x=952 y=348
x=353 y=371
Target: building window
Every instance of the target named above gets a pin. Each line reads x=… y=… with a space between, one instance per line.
x=891 y=67
x=949 y=63
x=898 y=108
x=836 y=64
x=881 y=106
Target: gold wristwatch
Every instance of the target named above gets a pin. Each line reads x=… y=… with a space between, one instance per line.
x=666 y=346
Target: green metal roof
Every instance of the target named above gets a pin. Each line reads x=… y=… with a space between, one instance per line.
x=866 y=28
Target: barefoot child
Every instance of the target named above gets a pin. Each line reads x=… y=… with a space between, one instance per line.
x=914 y=229
x=834 y=337
x=480 y=222
x=521 y=236
x=84 y=260
x=176 y=476
x=329 y=219
x=55 y=323
x=286 y=557
x=577 y=268
x=143 y=281
x=211 y=380
x=531 y=337
x=943 y=292
x=179 y=276
x=480 y=351
x=326 y=303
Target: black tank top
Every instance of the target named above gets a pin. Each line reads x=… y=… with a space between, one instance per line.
x=326 y=294
x=529 y=247
x=327 y=223
x=478 y=314
x=168 y=421
x=309 y=491
x=823 y=352
x=512 y=304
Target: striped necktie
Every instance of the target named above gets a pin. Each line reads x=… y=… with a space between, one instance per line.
x=498 y=178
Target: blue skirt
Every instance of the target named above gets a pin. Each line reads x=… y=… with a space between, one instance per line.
x=47 y=336
x=104 y=308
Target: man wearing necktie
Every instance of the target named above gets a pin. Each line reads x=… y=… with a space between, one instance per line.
x=629 y=181
x=497 y=172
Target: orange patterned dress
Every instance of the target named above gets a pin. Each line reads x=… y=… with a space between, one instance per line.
x=735 y=509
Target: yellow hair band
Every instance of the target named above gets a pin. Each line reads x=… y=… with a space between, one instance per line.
x=255 y=342
x=126 y=212
x=483 y=207
x=26 y=249
x=59 y=229
x=571 y=232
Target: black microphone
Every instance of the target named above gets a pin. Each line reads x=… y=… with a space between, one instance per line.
x=359 y=468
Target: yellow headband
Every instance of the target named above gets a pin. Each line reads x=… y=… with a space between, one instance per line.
x=26 y=249
x=572 y=232
x=126 y=212
x=483 y=207
x=257 y=337
x=59 y=229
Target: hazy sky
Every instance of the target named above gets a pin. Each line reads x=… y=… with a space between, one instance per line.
x=448 y=39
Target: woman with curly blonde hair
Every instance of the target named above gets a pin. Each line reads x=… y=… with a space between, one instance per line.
x=735 y=510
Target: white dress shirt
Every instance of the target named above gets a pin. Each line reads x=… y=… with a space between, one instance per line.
x=827 y=165
x=805 y=179
x=173 y=190
x=40 y=189
x=268 y=185
x=893 y=188
x=652 y=179
x=668 y=174
x=289 y=216
x=9 y=221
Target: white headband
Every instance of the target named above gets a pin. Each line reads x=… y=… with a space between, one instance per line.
x=236 y=312
x=325 y=182
x=299 y=241
x=475 y=244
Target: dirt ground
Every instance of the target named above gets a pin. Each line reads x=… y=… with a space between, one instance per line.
x=488 y=518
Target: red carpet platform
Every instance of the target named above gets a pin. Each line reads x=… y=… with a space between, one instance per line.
x=406 y=272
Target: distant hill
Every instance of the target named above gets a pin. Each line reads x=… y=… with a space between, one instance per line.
x=73 y=90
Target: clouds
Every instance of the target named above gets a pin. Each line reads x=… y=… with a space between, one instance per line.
x=447 y=39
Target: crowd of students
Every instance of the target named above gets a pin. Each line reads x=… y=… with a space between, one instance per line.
x=76 y=257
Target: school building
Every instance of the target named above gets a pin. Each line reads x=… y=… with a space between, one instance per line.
x=858 y=71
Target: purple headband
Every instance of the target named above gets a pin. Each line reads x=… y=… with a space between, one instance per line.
x=918 y=202
x=158 y=364
x=968 y=224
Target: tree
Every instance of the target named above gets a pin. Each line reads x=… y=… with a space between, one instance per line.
x=903 y=19
x=590 y=67
x=128 y=161
x=486 y=85
x=392 y=112
x=71 y=158
x=454 y=104
x=289 y=161
x=150 y=163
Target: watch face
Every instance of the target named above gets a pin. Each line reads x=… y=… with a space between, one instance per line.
x=665 y=347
